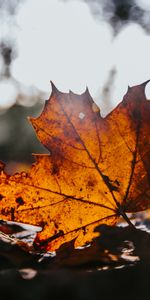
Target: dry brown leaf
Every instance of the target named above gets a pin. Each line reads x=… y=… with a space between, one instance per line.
x=97 y=170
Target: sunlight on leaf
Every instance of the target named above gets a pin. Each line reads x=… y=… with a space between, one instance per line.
x=97 y=170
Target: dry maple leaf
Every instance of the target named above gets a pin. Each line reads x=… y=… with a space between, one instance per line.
x=97 y=170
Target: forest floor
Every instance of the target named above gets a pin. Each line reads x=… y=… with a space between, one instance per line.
x=116 y=265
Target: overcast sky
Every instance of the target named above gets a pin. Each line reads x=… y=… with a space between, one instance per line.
x=63 y=42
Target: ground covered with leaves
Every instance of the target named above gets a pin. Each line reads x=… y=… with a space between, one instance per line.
x=116 y=264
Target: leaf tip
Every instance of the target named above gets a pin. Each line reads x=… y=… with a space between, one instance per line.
x=145 y=83
x=54 y=88
x=136 y=91
x=129 y=87
x=30 y=120
x=141 y=86
x=72 y=93
x=87 y=91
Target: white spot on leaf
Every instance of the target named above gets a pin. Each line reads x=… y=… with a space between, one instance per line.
x=81 y=115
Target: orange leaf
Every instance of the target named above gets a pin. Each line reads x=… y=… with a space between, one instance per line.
x=97 y=170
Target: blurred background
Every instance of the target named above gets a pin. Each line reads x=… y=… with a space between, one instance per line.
x=104 y=45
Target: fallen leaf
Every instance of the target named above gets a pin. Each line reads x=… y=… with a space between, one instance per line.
x=97 y=170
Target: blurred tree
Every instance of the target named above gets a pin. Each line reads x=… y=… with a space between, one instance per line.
x=8 y=53
x=15 y=145
x=17 y=137
x=9 y=6
x=19 y=144
x=119 y=12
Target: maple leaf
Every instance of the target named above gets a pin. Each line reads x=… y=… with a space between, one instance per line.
x=97 y=170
